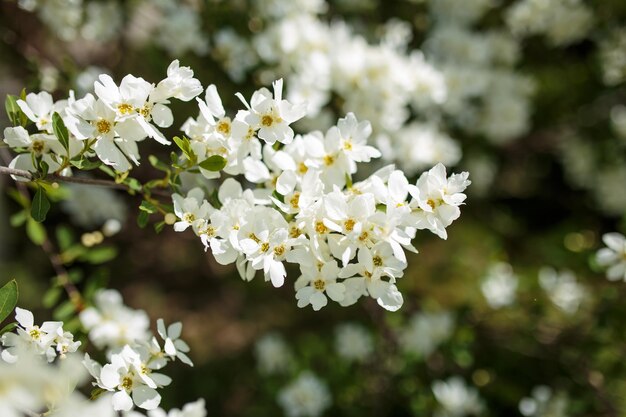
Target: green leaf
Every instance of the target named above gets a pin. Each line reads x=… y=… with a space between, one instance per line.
x=99 y=255
x=348 y=181
x=60 y=131
x=12 y=109
x=18 y=218
x=8 y=328
x=75 y=275
x=185 y=146
x=213 y=163
x=65 y=237
x=278 y=196
x=44 y=168
x=40 y=206
x=148 y=207
x=35 y=232
x=158 y=227
x=96 y=393
x=134 y=184
x=8 y=299
x=155 y=162
x=64 y=311
x=142 y=218
x=51 y=297
x=85 y=164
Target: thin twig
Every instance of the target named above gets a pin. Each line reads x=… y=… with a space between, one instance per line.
x=77 y=180
x=63 y=276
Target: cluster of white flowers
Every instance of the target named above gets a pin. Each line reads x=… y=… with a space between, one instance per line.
x=234 y=53
x=486 y=96
x=499 y=285
x=613 y=57
x=31 y=384
x=544 y=403
x=562 y=21
x=304 y=209
x=174 y=26
x=108 y=126
x=562 y=288
x=194 y=409
x=456 y=399
x=318 y=225
x=618 y=119
x=273 y=355
x=69 y=20
x=134 y=355
x=426 y=332
x=41 y=369
x=111 y=324
x=49 y=339
x=306 y=396
x=613 y=257
x=177 y=27
x=379 y=82
x=353 y=342
x=92 y=207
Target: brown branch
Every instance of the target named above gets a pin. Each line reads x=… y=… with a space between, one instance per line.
x=77 y=180
x=63 y=276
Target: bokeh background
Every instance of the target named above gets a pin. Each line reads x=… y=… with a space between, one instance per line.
x=510 y=316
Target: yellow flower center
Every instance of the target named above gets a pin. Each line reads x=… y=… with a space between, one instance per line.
x=35 y=333
x=267 y=120
x=127 y=383
x=378 y=261
x=349 y=224
x=124 y=108
x=223 y=127
x=279 y=250
x=294 y=232
x=320 y=227
x=319 y=284
x=38 y=146
x=103 y=126
x=295 y=200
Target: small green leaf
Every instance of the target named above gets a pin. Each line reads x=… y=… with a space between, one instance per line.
x=75 y=275
x=8 y=299
x=213 y=163
x=134 y=184
x=85 y=164
x=185 y=146
x=40 y=206
x=99 y=255
x=8 y=328
x=96 y=393
x=155 y=162
x=158 y=227
x=18 y=218
x=51 y=297
x=12 y=109
x=278 y=196
x=142 y=218
x=348 y=181
x=35 y=232
x=63 y=311
x=60 y=131
x=44 y=168
x=65 y=237
x=148 y=207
